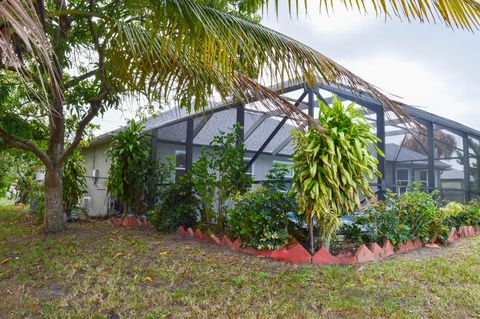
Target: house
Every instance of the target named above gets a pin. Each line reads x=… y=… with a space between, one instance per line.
x=171 y=142
x=405 y=166
x=266 y=136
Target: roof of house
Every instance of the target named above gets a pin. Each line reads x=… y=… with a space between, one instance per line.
x=171 y=125
x=452 y=174
x=169 y=128
x=395 y=153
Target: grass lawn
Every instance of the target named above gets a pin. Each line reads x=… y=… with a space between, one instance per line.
x=5 y=202
x=97 y=270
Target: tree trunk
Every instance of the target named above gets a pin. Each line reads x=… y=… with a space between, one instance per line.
x=326 y=243
x=311 y=238
x=53 y=219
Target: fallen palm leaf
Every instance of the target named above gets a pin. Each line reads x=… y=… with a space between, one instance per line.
x=5 y=261
x=118 y=255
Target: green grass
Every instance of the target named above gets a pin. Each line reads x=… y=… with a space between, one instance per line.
x=5 y=202
x=95 y=270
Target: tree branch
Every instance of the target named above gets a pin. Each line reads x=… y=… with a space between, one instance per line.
x=79 y=78
x=22 y=144
x=95 y=105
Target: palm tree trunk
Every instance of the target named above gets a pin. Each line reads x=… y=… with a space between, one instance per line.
x=53 y=219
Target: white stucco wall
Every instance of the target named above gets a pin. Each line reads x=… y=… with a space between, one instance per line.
x=95 y=158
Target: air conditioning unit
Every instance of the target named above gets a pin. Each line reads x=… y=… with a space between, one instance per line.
x=39 y=176
x=87 y=202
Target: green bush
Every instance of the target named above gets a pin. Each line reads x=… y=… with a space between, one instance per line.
x=472 y=214
x=381 y=222
x=259 y=218
x=411 y=215
x=456 y=214
x=178 y=206
x=74 y=182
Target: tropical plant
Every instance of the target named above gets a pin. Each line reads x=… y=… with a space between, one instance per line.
x=73 y=180
x=260 y=217
x=178 y=206
x=129 y=153
x=332 y=169
x=81 y=57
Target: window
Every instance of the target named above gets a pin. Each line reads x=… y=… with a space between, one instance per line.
x=251 y=170
x=180 y=159
x=289 y=165
x=180 y=163
x=422 y=177
x=403 y=178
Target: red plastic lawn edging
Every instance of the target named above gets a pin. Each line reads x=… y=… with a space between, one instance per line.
x=296 y=254
x=129 y=221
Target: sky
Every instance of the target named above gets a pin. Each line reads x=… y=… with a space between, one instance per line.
x=426 y=65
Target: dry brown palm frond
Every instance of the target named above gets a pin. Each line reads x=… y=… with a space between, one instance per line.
x=22 y=34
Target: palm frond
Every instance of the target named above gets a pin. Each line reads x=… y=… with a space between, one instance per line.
x=226 y=45
x=464 y=14
x=148 y=62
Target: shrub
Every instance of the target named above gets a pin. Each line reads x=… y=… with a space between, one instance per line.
x=226 y=158
x=381 y=222
x=178 y=206
x=472 y=212
x=411 y=215
x=259 y=217
x=456 y=214
x=419 y=211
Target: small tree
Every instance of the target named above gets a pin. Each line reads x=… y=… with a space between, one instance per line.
x=203 y=180
x=220 y=169
x=227 y=159
x=332 y=169
x=129 y=152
